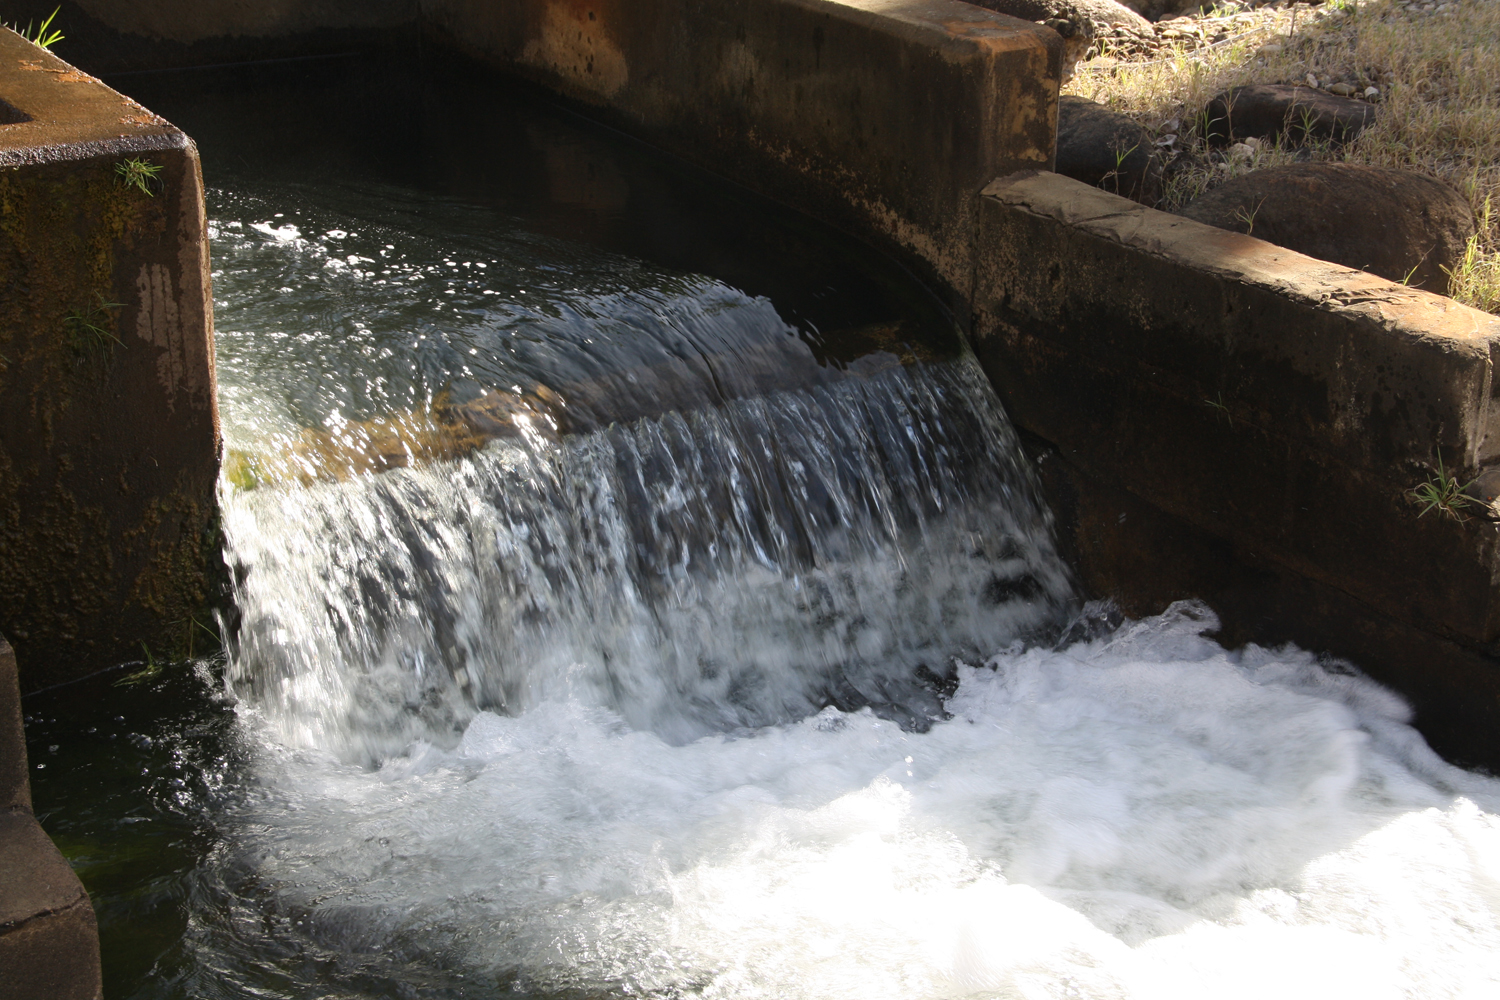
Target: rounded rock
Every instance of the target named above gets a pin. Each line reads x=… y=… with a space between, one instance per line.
x=1399 y=225
x=1301 y=113
x=1106 y=149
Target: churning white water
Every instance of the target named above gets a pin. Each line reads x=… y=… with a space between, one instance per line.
x=574 y=746
x=779 y=698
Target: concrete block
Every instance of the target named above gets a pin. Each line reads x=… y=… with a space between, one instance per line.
x=15 y=785
x=49 y=939
x=883 y=117
x=109 y=443
x=1281 y=404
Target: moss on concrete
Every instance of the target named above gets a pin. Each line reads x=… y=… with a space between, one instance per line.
x=101 y=550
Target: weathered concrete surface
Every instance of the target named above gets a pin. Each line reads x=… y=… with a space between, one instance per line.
x=1123 y=547
x=108 y=423
x=884 y=117
x=49 y=940
x=1279 y=404
x=111 y=36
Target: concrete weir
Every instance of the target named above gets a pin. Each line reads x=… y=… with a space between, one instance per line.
x=1214 y=416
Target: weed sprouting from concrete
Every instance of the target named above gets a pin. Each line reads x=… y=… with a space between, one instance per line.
x=88 y=329
x=43 y=36
x=1442 y=493
x=139 y=174
x=1221 y=407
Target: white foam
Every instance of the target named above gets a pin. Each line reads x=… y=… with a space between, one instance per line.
x=1141 y=816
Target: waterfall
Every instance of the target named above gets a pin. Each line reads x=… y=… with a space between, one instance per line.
x=672 y=658
x=697 y=572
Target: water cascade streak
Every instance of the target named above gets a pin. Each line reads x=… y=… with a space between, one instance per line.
x=670 y=710
x=723 y=568
x=760 y=695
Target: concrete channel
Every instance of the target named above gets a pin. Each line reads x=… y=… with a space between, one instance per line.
x=1213 y=416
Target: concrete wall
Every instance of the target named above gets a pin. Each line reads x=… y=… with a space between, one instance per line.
x=884 y=117
x=49 y=939
x=108 y=422
x=1207 y=397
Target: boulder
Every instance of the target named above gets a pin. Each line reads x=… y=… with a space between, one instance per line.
x=1100 y=12
x=1267 y=111
x=1103 y=148
x=1158 y=10
x=1399 y=225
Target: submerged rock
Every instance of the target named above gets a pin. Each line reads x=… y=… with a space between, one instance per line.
x=1399 y=225
x=1106 y=149
x=1300 y=113
x=449 y=430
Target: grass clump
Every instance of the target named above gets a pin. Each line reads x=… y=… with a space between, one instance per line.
x=139 y=174
x=88 y=329
x=1442 y=493
x=1436 y=73
x=44 y=35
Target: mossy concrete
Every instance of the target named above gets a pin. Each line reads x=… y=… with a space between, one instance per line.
x=108 y=422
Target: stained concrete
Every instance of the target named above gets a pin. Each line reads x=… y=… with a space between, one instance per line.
x=49 y=939
x=1265 y=413
x=883 y=117
x=108 y=413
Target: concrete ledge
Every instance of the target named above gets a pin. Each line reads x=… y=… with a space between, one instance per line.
x=108 y=414
x=1277 y=402
x=884 y=117
x=49 y=939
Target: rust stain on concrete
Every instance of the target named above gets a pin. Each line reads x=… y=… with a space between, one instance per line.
x=66 y=74
x=575 y=44
x=992 y=38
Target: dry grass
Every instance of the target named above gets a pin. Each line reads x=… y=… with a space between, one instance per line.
x=1438 y=72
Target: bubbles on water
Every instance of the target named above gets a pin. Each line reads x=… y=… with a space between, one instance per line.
x=708 y=703
x=1140 y=815
x=728 y=567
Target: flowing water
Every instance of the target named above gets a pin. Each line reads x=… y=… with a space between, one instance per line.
x=738 y=663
